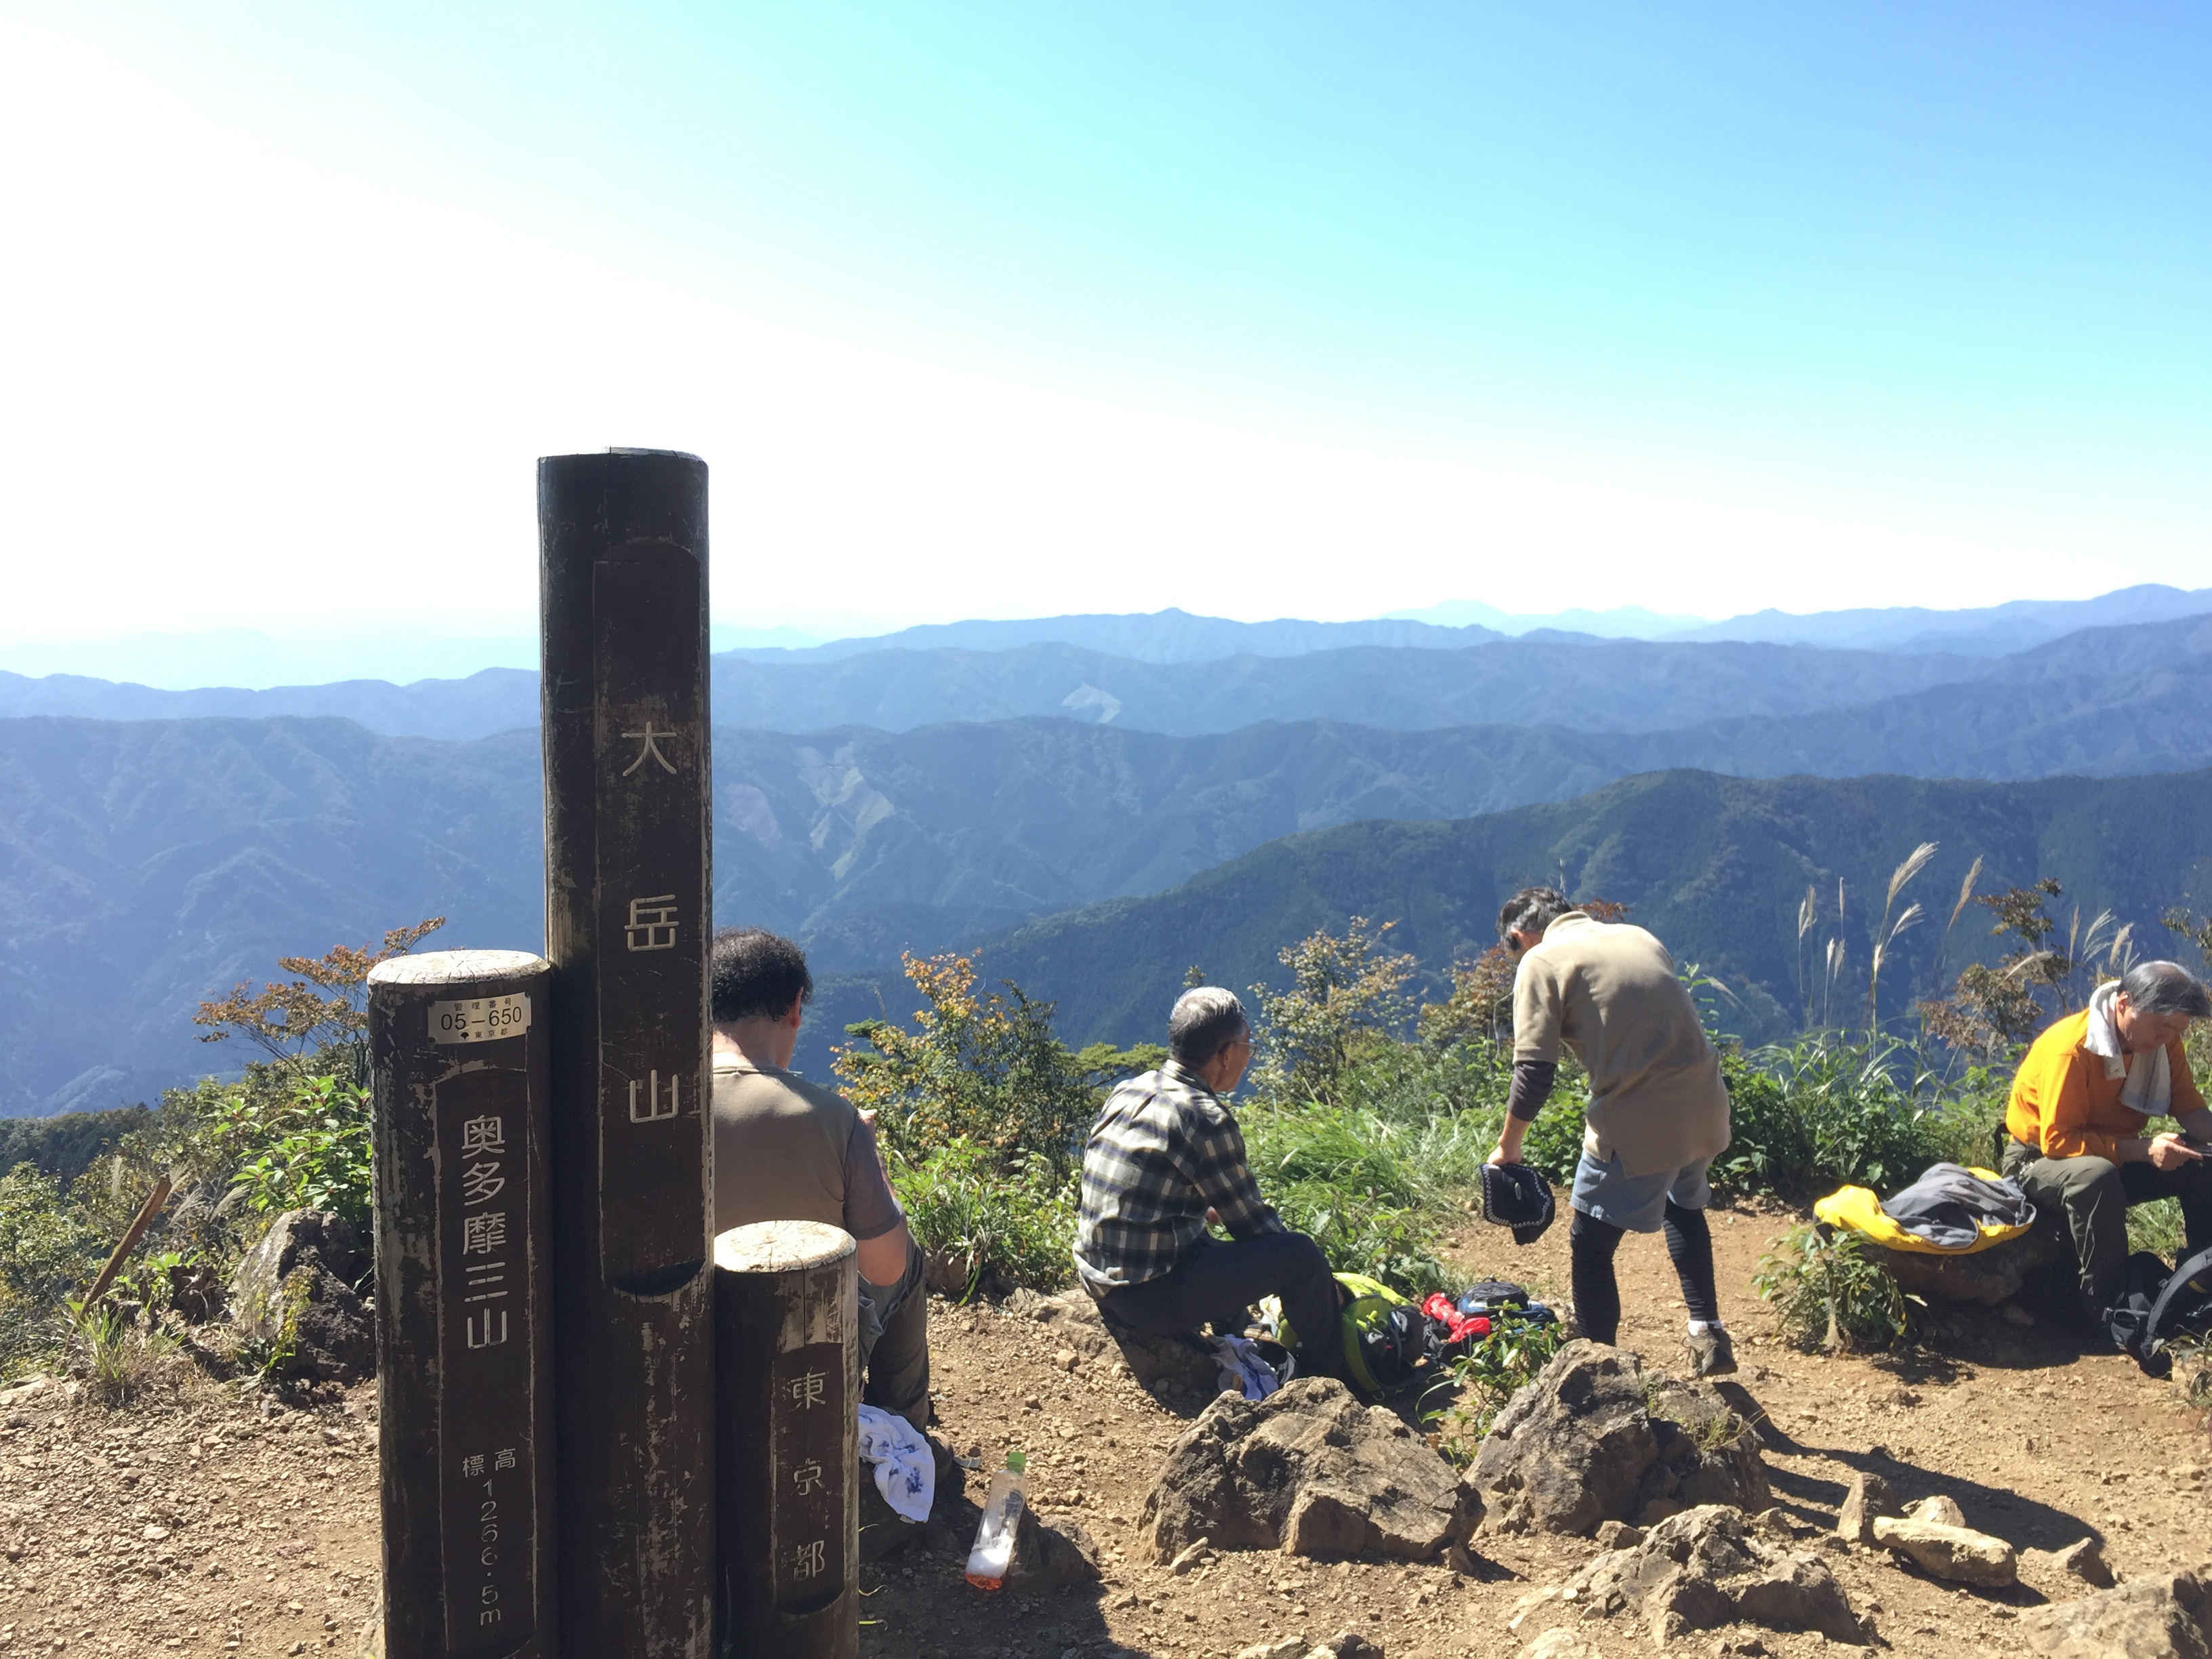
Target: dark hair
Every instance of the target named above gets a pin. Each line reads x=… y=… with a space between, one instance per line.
x=1532 y=910
x=2165 y=988
x=754 y=974
x=1206 y=1019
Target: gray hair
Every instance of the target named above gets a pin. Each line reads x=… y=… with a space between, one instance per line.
x=2165 y=988
x=1532 y=910
x=1205 y=1020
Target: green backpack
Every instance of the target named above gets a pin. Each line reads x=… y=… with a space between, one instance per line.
x=1391 y=1346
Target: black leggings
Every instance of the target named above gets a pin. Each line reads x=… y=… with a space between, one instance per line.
x=1590 y=1245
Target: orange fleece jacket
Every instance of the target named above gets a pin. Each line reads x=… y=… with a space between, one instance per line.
x=2063 y=1101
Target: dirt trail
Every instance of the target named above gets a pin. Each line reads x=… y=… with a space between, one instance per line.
x=195 y=1525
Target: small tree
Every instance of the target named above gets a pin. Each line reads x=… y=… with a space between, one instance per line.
x=327 y=1004
x=1991 y=1011
x=1345 y=994
x=1480 y=1008
x=981 y=1066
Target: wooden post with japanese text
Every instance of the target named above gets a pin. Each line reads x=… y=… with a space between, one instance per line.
x=459 y=1069
x=623 y=574
x=786 y=1334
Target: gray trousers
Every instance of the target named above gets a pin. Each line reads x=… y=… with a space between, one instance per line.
x=895 y=1343
x=2093 y=1195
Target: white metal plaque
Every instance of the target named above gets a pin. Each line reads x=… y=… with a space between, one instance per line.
x=480 y=1019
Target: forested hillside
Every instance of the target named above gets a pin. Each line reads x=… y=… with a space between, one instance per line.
x=1716 y=866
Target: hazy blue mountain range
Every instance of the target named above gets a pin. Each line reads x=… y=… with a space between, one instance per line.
x=1716 y=866
x=1993 y=630
x=1623 y=622
x=1169 y=636
x=1590 y=685
x=146 y=865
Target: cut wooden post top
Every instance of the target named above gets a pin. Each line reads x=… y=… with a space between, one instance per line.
x=781 y=1247
x=455 y=967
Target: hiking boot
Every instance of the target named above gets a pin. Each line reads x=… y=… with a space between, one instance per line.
x=1711 y=1353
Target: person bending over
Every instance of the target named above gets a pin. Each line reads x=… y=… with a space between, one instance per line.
x=1657 y=1114
x=1165 y=1158
x=2081 y=1101
x=788 y=1149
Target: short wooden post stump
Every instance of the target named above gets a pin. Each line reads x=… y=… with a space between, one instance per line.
x=458 y=1064
x=787 y=1379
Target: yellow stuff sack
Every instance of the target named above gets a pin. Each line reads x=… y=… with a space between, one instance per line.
x=1859 y=1209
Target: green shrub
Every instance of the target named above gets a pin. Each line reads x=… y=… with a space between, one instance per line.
x=46 y=1255
x=1825 y=1111
x=2156 y=1227
x=1484 y=1379
x=1827 y=1293
x=308 y=1148
x=1345 y=1178
x=996 y=1223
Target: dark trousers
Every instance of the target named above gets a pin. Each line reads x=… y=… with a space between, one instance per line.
x=1590 y=1247
x=2093 y=1195
x=895 y=1343
x=1216 y=1283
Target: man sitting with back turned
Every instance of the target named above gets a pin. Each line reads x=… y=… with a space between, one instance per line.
x=788 y=1149
x=1165 y=1158
x=2081 y=1101
x=1657 y=1113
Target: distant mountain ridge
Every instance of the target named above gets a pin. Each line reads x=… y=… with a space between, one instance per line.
x=1993 y=630
x=1716 y=866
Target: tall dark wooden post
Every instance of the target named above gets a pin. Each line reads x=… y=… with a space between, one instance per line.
x=786 y=1318
x=458 y=1064
x=623 y=585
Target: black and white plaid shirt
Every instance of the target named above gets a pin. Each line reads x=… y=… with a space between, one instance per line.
x=1163 y=1152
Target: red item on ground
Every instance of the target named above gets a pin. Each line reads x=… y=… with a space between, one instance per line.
x=1458 y=1326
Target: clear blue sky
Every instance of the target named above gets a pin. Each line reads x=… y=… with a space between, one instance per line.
x=1008 y=310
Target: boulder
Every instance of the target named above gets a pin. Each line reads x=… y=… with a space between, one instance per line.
x=1178 y=1370
x=1310 y=1471
x=1599 y=1435
x=295 y=1291
x=1989 y=1276
x=1052 y=1552
x=1702 y=1569
x=2065 y=1571
x=1866 y=1501
x=1959 y=1555
x=2168 y=1617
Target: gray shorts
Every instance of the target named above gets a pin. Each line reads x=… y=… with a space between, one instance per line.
x=1637 y=1204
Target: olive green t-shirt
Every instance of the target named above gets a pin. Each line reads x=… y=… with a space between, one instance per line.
x=788 y=1149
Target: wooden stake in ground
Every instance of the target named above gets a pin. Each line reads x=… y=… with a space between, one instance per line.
x=460 y=1067
x=622 y=572
x=129 y=1242
x=787 y=1370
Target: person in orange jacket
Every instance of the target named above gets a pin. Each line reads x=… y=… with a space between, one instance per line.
x=2086 y=1091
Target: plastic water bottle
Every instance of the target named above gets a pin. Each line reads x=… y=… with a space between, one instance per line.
x=1002 y=1518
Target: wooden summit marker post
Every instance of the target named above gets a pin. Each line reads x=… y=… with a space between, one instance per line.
x=459 y=1064
x=787 y=1352
x=622 y=575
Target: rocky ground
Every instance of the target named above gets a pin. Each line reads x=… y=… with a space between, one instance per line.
x=209 y=1520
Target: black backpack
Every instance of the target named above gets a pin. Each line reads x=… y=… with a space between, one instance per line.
x=2156 y=1307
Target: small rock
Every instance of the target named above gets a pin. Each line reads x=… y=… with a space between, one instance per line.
x=1347 y=1644
x=1618 y=1534
x=1067 y=1359
x=1290 y=1647
x=1189 y=1556
x=154 y=1535
x=2016 y=1314
x=1958 y=1554
x=2082 y=1561
x=1560 y=1643
x=2143 y=1619
x=1941 y=1509
x=1868 y=1500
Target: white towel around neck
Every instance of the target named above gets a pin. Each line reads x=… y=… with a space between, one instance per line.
x=2149 y=1087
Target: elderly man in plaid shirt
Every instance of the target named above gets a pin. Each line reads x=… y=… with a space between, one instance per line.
x=1163 y=1160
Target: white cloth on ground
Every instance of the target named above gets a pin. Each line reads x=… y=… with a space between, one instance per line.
x=906 y=1469
x=2149 y=1087
x=1244 y=1368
